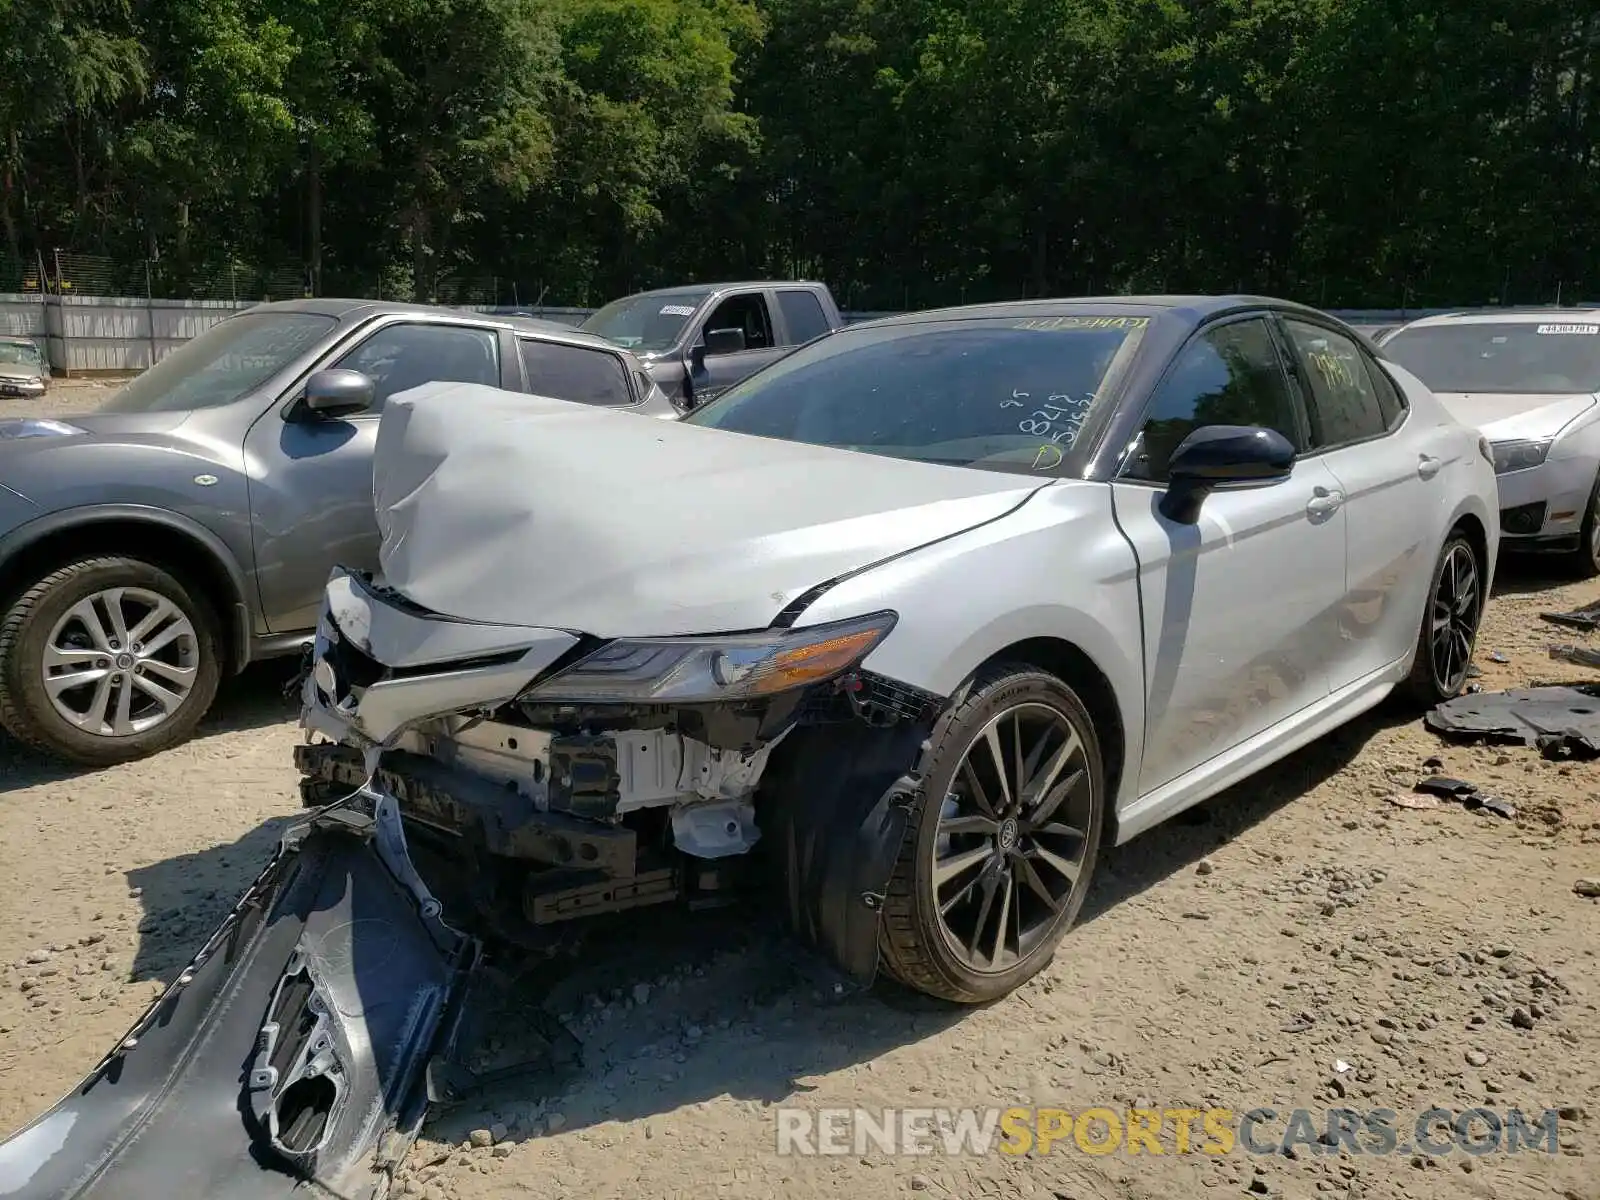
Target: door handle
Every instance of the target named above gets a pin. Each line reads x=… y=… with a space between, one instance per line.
x=1324 y=503
x=1428 y=466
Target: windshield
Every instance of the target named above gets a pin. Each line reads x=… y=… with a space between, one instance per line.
x=1002 y=394
x=646 y=323
x=1552 y=357
x=22 y=354
x=225 y=362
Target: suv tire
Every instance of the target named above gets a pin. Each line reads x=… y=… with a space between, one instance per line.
x=147 y=649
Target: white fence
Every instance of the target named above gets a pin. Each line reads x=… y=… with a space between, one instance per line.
x=112 y=334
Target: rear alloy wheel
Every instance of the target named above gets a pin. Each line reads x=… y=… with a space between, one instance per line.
x=998 y=859
x=1586 y=558
x=107 y=660
x=1450 y=626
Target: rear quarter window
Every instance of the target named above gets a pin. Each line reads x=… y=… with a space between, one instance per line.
x=577 y=373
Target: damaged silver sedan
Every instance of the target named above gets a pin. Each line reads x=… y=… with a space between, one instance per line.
x=893 y=637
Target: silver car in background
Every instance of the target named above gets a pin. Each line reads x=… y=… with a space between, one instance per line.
x=1530 y=381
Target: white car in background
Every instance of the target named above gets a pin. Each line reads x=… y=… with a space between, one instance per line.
x=1531 y=382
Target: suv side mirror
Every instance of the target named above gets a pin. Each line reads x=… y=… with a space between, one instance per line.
x=1217 y=454
x=724 y=341
x=335 y=393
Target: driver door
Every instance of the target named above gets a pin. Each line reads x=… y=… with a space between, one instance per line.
x=311 y=480
x=1240 y=609
x=712 y=374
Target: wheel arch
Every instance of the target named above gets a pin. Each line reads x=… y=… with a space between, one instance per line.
x=167 y=539
x=1075 y=667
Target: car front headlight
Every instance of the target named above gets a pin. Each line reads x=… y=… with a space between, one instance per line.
x=32 y=427
x=1519 y=455
x=742 y=666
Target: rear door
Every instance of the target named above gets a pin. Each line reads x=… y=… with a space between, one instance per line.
x=1390 y=472
x=802 y=315
x=311 y=480
x=1239 y=608
x=750 y=313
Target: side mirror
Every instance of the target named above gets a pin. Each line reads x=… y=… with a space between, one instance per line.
x=724 y=341
x=1217 y=454
x=334 y=394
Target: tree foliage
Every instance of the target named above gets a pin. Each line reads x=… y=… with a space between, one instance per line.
x=909 y=152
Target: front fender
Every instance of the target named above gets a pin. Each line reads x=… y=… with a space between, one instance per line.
x=1055 y=568
x=17 y=541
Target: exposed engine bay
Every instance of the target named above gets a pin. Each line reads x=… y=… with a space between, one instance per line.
x=589 y=801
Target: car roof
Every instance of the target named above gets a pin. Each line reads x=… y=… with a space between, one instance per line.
x=1195 y=309
x=1508 y=316
x=356 y=310
x=679 y=289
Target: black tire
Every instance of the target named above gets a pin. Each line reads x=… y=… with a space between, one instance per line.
x=26 y=709
x=1585 y=560
x=915 y=940
x=1429 y=684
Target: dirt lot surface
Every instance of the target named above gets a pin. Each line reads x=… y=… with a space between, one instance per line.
x=1301 y=941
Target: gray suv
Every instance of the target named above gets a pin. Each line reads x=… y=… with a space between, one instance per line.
x=188 y=527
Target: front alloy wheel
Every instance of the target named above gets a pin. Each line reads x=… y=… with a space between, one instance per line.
x=997 y=862
x=107 y=660
x=121 y=662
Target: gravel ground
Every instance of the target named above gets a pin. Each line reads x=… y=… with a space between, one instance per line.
x=1300 y=941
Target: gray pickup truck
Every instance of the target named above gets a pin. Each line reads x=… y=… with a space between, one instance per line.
x=699 y=340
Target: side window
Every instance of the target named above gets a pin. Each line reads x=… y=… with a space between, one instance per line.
x=1344 y=403
x=401 y=357
x=1391 y=400
x=576 y=373
x=802 y=313
x=748 y=314
x=1231 y=375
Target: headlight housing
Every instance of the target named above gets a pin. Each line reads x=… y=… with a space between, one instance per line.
x=1519 y=455
x=743 y=666
x=31 y=427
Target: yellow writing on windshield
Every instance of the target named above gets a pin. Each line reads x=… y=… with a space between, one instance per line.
x=1083 y=323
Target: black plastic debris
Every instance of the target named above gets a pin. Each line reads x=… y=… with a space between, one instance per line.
x=1577 y=655
x=1561 y=722
x=1450 y=789
x=1587 y=617
x=1459 y=791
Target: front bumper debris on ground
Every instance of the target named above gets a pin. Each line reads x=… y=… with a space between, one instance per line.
x=293 y=1050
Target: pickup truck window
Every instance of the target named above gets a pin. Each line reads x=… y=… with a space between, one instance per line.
x=575 y=373
x=747 y=313
x=400 y=357
x=646 y=323
x=225 y=362
x=802 y=313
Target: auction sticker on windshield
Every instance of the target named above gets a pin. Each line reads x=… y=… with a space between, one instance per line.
x=1589 y=330
x=677 y=310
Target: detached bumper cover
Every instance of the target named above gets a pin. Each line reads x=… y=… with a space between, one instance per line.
x=293 y=1049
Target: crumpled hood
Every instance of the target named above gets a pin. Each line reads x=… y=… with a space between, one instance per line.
x=1505 y=417
x=523 y=510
